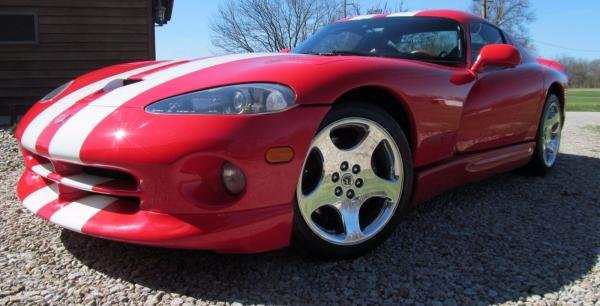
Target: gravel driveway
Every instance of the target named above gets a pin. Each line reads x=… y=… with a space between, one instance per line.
x=510 y=239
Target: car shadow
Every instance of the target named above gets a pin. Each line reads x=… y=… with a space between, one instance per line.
x=505 y=238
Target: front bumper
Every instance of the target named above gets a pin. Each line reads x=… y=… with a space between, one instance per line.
x=175 y=197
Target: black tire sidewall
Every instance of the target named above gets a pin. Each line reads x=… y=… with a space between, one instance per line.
x=537 y=166
x=303 y=235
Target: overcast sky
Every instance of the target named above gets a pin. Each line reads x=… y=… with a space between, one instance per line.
x=562 y=27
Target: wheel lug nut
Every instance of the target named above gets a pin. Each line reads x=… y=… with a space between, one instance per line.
x=338 y=191
x=335 y=177
x=355 y=169
x=344 y=166
x=350 y=194
x=358 y=183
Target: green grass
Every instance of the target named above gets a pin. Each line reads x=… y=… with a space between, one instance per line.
x=583 y=100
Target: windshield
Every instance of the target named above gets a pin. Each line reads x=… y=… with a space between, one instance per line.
x=428 y=39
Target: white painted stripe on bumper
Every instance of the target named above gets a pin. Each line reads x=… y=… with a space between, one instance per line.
x=42 y=169
x=41 y=121
x=75 y=215
x=68 y=140
x=39 y=198
x=83 y=181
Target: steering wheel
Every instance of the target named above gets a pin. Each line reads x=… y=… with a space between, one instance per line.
x=443 y=54
x=423 y=52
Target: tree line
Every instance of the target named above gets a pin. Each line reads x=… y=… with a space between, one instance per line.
x=582 y=73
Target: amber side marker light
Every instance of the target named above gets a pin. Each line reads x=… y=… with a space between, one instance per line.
x=279 y=155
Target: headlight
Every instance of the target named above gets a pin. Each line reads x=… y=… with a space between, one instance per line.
x=55 y=92
x=235 y=99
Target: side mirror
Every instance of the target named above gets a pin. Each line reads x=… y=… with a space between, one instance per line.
x=286 y=50
x=494 y=55
x=497 y=55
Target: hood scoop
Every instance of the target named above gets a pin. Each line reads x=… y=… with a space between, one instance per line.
x=114 y=84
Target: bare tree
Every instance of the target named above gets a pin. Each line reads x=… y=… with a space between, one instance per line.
x=268 y=25
x=355 y=8
x=513 y=16
x=272 y=25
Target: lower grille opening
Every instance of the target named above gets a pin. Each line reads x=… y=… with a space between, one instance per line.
x=86 y=178
x=118 y=205
x=109 y=173
x=124 y=206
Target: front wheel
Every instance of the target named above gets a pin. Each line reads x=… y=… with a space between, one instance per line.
x=356 y=182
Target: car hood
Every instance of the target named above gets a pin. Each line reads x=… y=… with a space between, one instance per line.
x=137 y=84
x=315 y=79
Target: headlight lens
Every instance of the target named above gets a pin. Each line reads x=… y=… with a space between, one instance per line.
x=55 y=92
x=229 y=100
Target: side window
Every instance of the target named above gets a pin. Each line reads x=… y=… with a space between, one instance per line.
x=481 y=35
x=442 y=45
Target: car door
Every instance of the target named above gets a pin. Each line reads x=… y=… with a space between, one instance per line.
x=502 y=106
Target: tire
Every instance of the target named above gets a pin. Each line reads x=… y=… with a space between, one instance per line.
x=548 y=138
x=343 y=211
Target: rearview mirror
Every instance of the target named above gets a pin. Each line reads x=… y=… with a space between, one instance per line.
x=497 y=55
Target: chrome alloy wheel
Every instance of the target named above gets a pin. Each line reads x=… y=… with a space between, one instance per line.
x=351 y=182
x=551 y=130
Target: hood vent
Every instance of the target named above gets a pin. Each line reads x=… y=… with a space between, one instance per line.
x=114 y=84
x=131 y=81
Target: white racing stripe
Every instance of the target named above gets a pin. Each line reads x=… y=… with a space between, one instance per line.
x=404 y=14
x=75 y=215
x=39 y=198
x=370 y=16
x=361 y=17
x=42 y=120
x=68 y=140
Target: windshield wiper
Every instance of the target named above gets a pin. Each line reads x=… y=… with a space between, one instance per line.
x=341 y=52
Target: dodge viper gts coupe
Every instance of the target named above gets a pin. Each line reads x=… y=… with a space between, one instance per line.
x=326 y=145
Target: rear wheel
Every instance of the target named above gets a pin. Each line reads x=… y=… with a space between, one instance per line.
x=356 y=181
x=548 y=137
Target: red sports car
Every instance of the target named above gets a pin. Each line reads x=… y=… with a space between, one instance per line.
x=327 y=145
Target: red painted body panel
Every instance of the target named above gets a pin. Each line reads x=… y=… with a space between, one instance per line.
x=460 y=16
x=155 y=179
x=502 y=108
x=552 y=64
x=181 y=164
x=469 y=168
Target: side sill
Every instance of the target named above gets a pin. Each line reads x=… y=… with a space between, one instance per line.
x=465 y=169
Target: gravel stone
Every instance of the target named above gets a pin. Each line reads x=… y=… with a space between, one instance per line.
x=509 y=240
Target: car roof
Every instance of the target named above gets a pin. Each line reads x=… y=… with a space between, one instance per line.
x=459 y=16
